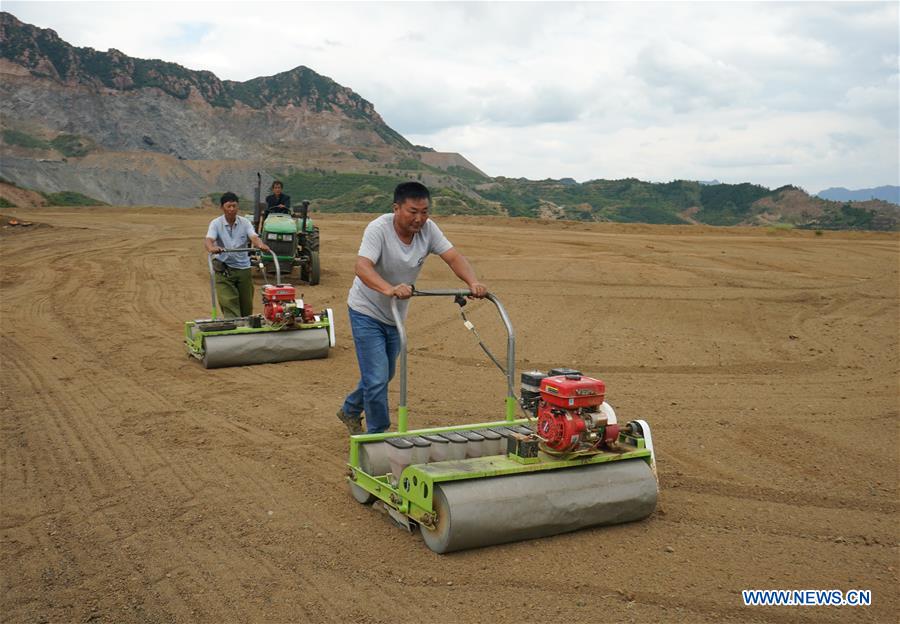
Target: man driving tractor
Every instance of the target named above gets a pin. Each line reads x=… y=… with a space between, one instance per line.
x=278 y=201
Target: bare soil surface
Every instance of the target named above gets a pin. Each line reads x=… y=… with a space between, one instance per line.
x=139 y=487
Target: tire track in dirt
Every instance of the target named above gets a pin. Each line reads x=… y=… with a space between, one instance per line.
x=91 y=462
x=762 y=368
x=852 y=542
x=89 y=415
x=797 y=498
x=174 y=471
x=246 y=432
x=64 y=445
x=71 y=292
x=841 y=465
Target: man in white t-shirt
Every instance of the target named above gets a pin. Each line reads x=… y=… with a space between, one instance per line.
x=392 y=252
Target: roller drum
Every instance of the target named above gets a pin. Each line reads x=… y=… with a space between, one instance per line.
x=480 y=512
x=373 y=460
x=265 y=347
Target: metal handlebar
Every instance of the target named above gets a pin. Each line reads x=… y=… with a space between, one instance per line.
x=212 y=272
x=403 y=409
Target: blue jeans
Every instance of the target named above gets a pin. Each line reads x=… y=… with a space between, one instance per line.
x=377 y=346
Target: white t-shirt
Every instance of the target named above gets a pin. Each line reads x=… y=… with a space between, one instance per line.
x=395 y=261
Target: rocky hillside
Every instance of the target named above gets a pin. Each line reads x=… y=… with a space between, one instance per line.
x=125 y=103
x=77 y=119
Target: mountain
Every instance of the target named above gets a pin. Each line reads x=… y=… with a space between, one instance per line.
x=886 y=193
x=81 y=126
x=110 y=126
x=124 y=103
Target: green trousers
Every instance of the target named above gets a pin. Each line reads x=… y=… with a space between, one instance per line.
x=235 y=293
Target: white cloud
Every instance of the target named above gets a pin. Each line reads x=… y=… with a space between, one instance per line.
x=881 y=101
x=688 y=79
x=772 y=93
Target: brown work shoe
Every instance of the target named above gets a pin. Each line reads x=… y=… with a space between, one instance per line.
x=353 y=423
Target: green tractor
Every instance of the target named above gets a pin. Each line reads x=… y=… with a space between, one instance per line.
x=293 y=238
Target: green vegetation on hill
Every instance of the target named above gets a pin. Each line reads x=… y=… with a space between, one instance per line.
x=71 y=198
x=728 y=204
x=314 y=185
x=357 y=192
x=5 y=203
x=854 y=218
x=365 y=156
x=300 y=84
x=22 y=139
x=446 y=201
x=70 y=145
x=464 y=173
x=628 y=200
x=680 y=201
x=391 y=136
x=413 y=164
x=409 y=163
x=365 y=198
x=848 y=217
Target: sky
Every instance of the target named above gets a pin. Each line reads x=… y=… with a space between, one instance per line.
x=771 y=93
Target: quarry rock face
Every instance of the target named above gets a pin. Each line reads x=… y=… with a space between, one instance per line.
x=118 y=104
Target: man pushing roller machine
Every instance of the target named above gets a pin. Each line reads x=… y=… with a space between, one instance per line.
x=288 y=328
x=566 y=465
x=234 y=285
x=393 y=249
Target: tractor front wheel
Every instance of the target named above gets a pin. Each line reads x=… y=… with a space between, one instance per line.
x=312 y=239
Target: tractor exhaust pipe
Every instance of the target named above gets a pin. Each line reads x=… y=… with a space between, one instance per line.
x=257 y=198
x=304 y=213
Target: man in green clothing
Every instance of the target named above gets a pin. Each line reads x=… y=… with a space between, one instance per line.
x=234 y=284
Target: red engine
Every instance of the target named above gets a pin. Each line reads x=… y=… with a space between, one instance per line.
x=569 y=413
x=281 y=306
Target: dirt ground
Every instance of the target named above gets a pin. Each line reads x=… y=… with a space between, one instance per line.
x=139 y=487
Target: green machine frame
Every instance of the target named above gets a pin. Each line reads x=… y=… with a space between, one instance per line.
x=412 y=495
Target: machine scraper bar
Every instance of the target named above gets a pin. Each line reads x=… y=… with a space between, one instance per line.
x=401 y=330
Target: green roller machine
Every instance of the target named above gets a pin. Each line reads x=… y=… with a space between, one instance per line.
x=287 y=330
x=565 y=465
